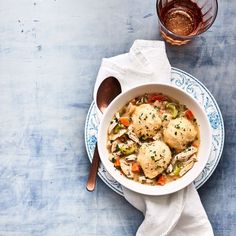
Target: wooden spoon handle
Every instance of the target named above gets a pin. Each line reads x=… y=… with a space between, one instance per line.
x=91 y=183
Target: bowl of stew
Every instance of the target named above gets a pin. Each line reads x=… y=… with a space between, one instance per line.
x=154 y=139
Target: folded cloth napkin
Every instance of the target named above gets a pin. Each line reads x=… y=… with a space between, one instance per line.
x=176 y=214
x=146 y=62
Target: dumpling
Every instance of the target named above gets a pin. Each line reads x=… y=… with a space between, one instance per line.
x=145 y=121
x=154 y=158
x=179 y=133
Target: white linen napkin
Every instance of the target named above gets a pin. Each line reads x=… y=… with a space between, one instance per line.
x=176 y=214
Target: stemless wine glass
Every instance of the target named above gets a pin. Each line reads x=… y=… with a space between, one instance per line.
x=182 y=20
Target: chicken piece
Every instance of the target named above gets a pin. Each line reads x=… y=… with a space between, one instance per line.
x=126 y=168
x=133 y=136
x=131 y=157
x=184 y=155
x=118 y=135
x=112 y=126
x=186 y=168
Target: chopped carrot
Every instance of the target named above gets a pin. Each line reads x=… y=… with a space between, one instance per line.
x=195 y=144
x=161 y=180
x=189 y=114
x=117 y=163
x=136 y=167
x=124 y=121
x=157 y=97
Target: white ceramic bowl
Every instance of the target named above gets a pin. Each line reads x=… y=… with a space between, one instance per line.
x=183 y=98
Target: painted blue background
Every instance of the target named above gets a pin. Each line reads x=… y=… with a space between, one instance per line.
x=50 y=53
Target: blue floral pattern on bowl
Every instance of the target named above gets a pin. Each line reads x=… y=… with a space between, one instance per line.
x=199 y=92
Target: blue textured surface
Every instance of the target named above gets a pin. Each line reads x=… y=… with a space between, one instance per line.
x=50 y=52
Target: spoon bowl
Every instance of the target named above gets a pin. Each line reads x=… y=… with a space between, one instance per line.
x=107 y=91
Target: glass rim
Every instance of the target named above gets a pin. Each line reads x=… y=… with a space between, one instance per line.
x=190 y=36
